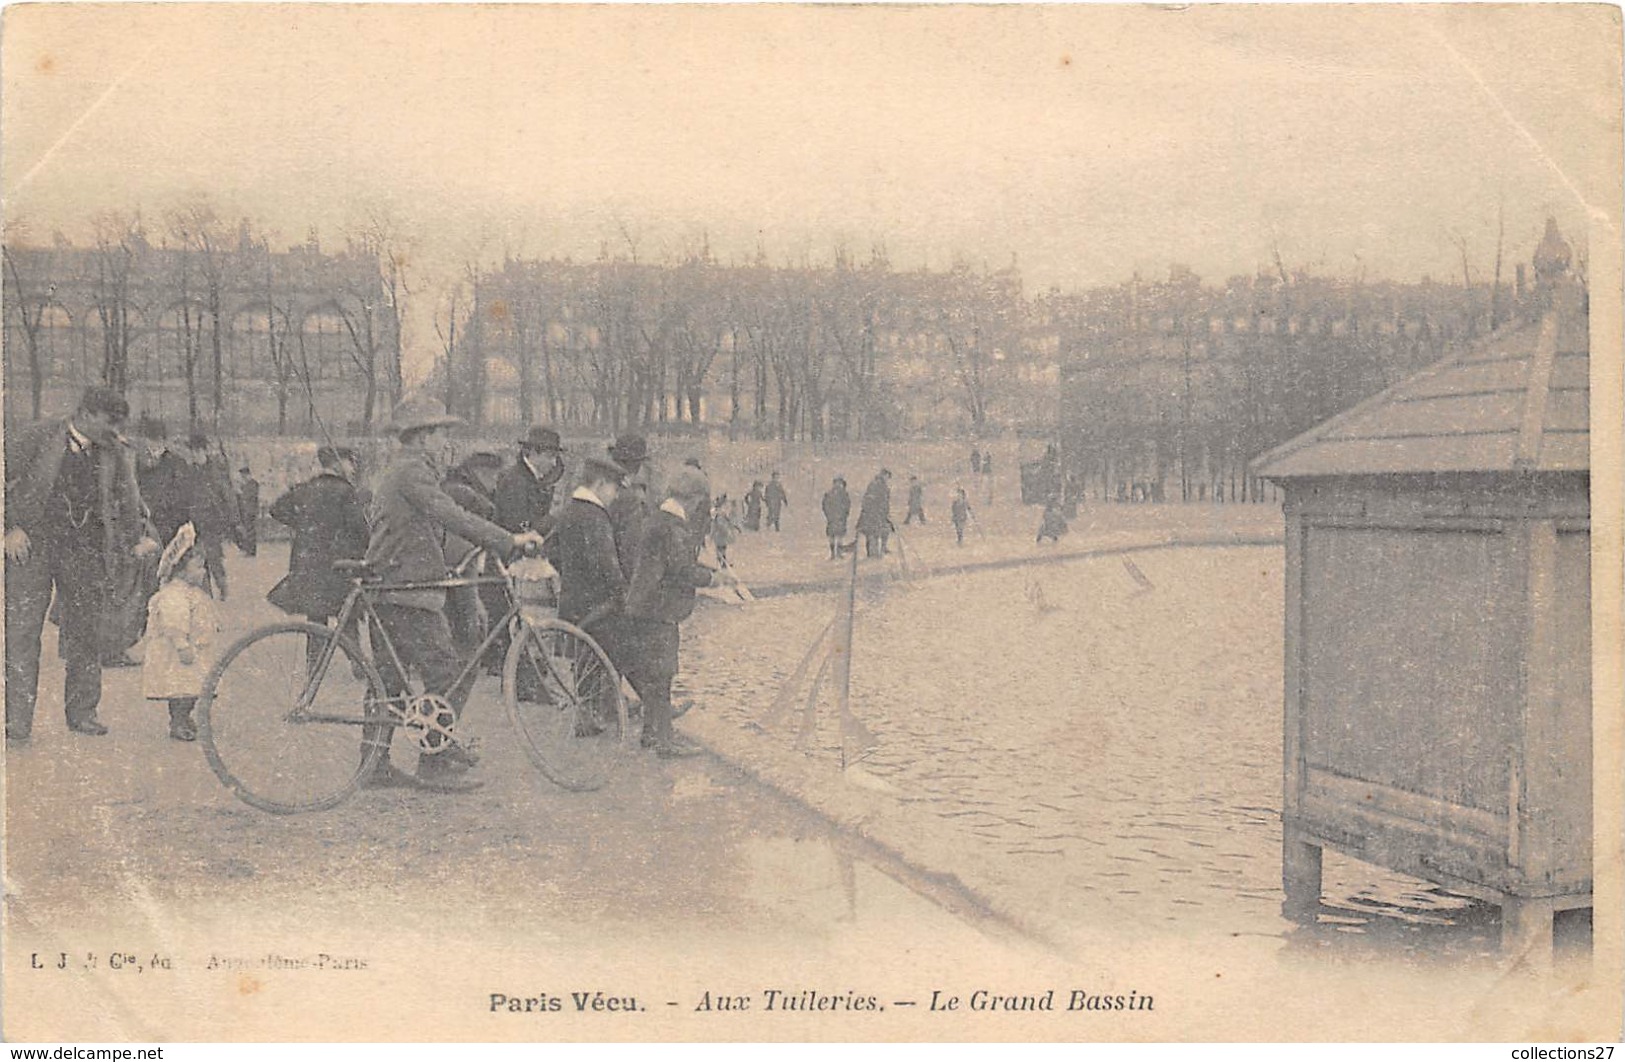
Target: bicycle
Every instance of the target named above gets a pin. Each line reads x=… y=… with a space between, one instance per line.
x=289 y=728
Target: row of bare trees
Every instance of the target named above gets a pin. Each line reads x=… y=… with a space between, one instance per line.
x=844 y=351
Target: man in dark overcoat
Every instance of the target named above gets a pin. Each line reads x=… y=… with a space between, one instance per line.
x=592 y=584
x=524 y=491
x=165 y=478
x=73 y=507
x=659 y=597
x=328 y=524
x=630 y=510
x=775 y=499
x=874 y=517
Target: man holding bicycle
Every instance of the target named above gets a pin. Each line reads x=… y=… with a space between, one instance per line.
x=411 y=516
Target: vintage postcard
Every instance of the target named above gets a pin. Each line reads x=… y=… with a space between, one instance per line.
x=801 y=522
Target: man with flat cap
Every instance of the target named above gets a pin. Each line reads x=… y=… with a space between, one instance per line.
x=524 y=491
x=411 y=517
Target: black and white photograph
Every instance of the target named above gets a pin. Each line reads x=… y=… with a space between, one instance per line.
x=750 y=522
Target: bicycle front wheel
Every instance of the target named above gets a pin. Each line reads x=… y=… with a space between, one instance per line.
x=282 y=716
x=564 y=698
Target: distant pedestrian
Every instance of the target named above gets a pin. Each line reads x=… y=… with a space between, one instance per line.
x=976 y=460
x=212 y=509
x=248 y=509
x=182 y=629
x=987 y=475
x=724 y=528
x=916 y=501
x=960 y=514
x=753 y=507
x=1054 y=523
x=837 y=510
x=874 y=517
x=775 y=499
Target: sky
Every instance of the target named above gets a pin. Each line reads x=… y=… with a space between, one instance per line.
x=1084 y=143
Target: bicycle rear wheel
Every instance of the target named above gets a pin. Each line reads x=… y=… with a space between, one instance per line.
x=564 y=698
x=278 y=744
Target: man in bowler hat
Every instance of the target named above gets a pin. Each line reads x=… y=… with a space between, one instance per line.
x=630 y=510
x=524 y=491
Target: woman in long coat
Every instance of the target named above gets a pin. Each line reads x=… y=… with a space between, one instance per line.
x=874 y=517
x=753 y=507
x=837 y=506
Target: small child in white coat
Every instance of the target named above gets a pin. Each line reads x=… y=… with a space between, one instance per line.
x=181 y=626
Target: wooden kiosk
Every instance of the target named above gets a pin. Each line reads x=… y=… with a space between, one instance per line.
x=1438 y=624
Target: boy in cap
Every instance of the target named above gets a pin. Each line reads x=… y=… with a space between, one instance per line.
x=659 y=597
x=592 y=583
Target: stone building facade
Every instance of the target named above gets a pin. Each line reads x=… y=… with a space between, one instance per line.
x=238 y=339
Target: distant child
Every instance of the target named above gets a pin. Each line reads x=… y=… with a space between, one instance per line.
x=181 y=626
x=724 y=528
x=916 y=501
x=960 y=513
x=1054 y=525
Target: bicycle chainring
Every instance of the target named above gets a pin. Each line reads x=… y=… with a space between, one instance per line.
x=429 y=721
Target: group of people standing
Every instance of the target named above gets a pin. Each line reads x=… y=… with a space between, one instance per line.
x=626 y=554
x=86 y=511
x=85 y=505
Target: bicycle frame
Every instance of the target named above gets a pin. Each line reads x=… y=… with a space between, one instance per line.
x=360 y=604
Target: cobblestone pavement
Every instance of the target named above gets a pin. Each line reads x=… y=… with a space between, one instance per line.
x=1083 y=744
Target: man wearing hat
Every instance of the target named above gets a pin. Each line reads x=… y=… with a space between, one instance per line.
x=211 y=506
x=524 y=492
x=411 y=517
x=73 y=508
x=630 y=510
x=592 y=582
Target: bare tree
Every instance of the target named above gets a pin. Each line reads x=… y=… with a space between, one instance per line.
x=29 y=311
x=117 y=237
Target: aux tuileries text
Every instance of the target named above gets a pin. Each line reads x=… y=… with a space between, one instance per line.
x=809 y=1000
